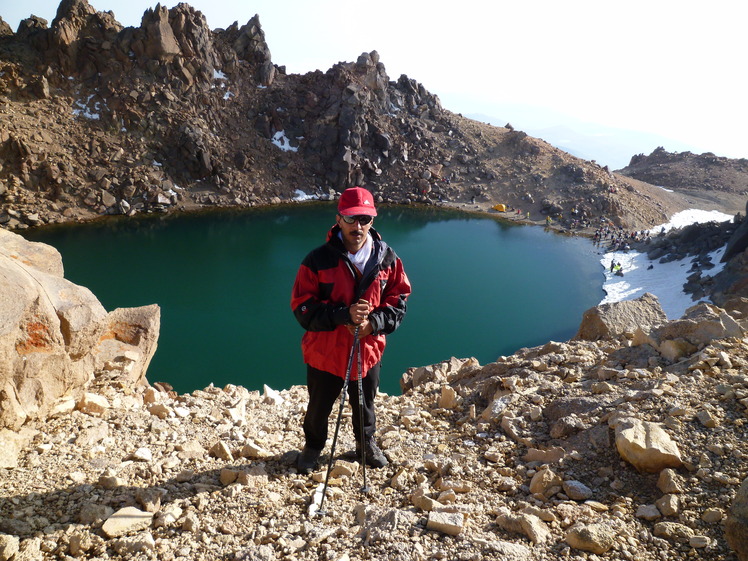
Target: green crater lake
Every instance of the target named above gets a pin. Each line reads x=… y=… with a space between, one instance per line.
x=481 y=287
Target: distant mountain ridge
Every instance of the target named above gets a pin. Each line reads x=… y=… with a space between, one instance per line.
x=608 y=146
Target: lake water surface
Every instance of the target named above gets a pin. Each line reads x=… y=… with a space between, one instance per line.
x=481 y=287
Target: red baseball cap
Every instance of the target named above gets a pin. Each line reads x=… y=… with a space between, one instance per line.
x=355 y=201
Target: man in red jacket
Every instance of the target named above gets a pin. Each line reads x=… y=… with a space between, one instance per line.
x=353 y=280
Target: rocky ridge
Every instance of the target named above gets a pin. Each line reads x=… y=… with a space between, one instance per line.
x=702 y=178
x=99 y=119
x=688 y=171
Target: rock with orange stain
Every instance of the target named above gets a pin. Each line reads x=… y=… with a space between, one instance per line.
x=56 y=337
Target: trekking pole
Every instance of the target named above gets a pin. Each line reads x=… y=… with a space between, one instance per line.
x=365 y=488
x=340 y=416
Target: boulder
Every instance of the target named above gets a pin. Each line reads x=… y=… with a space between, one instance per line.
x=56 y=337
x=595 y=538
x=613 y=320
x=160 y=42
x=521 y=523
x=700 y=325
x=736 y=525
x=646 y=445
x=125 y=521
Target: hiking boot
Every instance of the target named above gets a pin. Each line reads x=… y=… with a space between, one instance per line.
x=374 y=456
x=307 y=460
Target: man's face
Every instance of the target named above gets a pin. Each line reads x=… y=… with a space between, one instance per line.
x=354 y=235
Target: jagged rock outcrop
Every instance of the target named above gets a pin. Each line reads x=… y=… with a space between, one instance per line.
x=56 y=337
x=5 y=29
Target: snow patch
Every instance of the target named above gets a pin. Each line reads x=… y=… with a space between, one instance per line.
x=664 y=280
x=281 y=141
x=299 y=195
x=81 y=109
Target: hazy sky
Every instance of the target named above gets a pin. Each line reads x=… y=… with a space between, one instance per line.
x=671 y=67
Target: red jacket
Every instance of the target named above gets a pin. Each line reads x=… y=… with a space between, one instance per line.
x=325 y=288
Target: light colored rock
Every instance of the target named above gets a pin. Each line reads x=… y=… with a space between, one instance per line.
x=526 y=524
x=238 y=413
x=448 y=496
x=11 y=444
x=648 y=512
x=191 y=523
x=549 y=456
x=544 y=480
x=129 y=546
x=378 y=523
x=167 y=516
x=344 y=469
x=577 y=491
x=708 y=419
x=63 y=406
x=700 y=325
x=128 y=341
x=448 y=398
x=497 y=407
x=612 y=320
x=253 y=450
x=142 y=454
x=674 y=349
x=8 y=546
x=668 y=505
x=424 y=502
x=646 y=445
x=126 y=521
x=83 y=542
x=190 y=450
x=595 y=538
x=55 y=335
x=712 y=515
x=673 y=531
x=450 y=523
x=699 y=542
x=669 y=481
x=93 y=404
x=222 y=451
x=161 y=411
x=456 y=485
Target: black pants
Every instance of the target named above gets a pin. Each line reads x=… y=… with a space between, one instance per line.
x=324 y=388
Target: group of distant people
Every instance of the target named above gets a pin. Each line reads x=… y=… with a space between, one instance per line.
x=619 y=239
